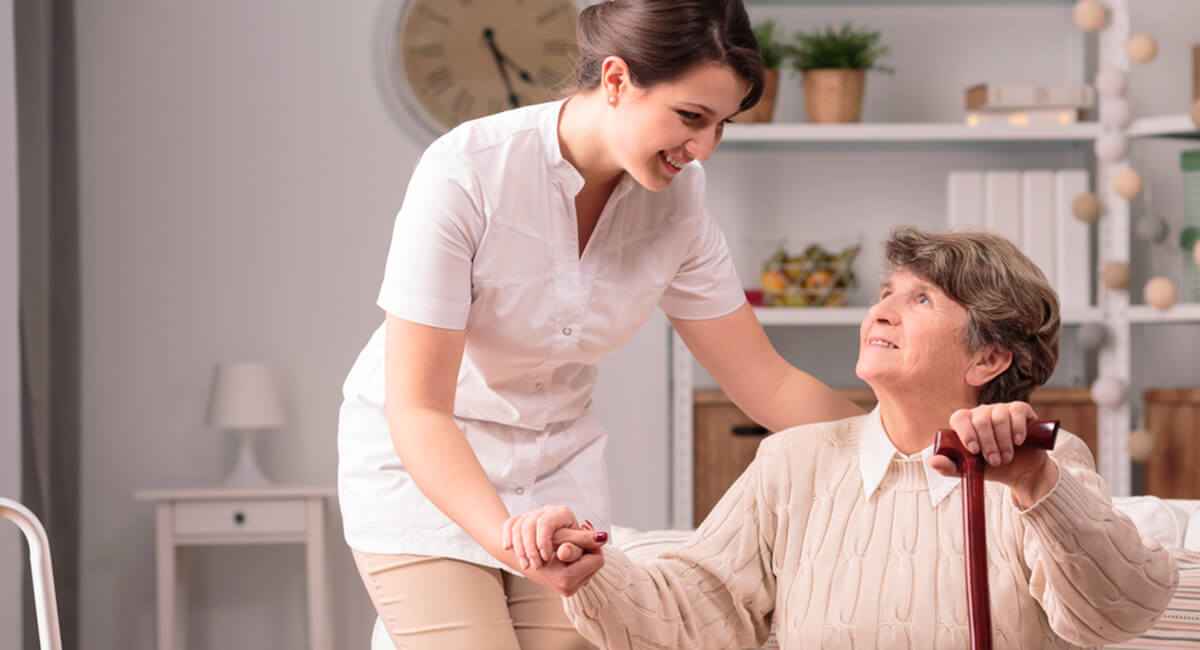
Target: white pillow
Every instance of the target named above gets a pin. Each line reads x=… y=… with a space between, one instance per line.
x=1154 y=518
x=1191 y=537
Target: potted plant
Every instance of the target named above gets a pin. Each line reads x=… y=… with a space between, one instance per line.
x=834 y=63
x=774 y=52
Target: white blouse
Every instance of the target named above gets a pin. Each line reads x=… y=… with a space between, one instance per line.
x=487 y=241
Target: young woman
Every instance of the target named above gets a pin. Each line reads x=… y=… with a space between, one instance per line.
x=530 y=244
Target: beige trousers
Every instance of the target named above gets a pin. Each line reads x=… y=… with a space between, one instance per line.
x=435 y=602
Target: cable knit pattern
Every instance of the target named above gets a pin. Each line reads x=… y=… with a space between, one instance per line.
x=794 y=539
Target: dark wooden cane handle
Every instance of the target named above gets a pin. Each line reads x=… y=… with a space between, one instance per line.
x=1039 y=433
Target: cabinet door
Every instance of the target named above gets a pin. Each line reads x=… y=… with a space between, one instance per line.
x=725 y=443
x=1173 y=417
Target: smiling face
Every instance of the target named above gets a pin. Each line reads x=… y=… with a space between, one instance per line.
x=658 y=130
x=914 y=338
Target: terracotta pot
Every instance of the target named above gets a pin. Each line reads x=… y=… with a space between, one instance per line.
x=764 y=110
x=834 y=96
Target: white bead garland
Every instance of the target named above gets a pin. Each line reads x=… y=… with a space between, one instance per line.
x=1109 y=392
x=1112 y=147
x=1116 y=113
x=1111 y=82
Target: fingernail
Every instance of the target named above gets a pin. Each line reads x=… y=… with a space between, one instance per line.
x=973 y=448
x=994 y=459
x=601 y=537
x=524 y=564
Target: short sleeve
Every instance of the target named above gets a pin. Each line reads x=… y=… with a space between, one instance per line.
x=706 y=284
x=427 y=278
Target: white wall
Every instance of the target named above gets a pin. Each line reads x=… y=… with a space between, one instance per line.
x=12 y=549
x=239 y=176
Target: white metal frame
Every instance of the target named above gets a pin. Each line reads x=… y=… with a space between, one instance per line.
x=41 y=569
x=1113 y=308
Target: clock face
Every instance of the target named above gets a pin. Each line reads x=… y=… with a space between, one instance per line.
x=456 y=60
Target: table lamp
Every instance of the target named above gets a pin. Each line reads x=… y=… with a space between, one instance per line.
x=245 y=399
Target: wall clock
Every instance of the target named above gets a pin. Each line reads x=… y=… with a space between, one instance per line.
x=442 y=62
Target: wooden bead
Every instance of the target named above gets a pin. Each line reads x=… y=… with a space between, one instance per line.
x=1090 y=15
x=1141 y=445
x=1142 y=48
x=1160 y=293
x=1115 y=275
x=1127 y=183
x=1087 y=208
x=1108 y=392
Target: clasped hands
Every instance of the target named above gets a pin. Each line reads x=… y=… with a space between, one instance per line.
x=554 y=549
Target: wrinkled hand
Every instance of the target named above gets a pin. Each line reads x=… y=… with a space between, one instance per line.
x=997 y=431
x=572 y=566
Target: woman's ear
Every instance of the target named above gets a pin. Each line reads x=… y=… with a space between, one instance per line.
x=988 y=363
x=614 y=76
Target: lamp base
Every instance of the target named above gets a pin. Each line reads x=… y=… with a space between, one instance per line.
x=245 y=472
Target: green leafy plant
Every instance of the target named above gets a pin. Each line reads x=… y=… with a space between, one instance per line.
x=774 y=51
x=847 y=47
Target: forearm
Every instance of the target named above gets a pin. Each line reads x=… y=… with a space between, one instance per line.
x=433 y=448
x=791 y=397
x=1097 y=579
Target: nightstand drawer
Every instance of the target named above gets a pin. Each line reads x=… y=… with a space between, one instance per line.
x=240 y=517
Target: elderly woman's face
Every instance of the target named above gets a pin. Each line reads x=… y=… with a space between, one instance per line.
x=913 y=337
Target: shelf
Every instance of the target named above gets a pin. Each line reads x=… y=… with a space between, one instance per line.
x=782 y=133
x=845 y=316
x=1177 y=314
x=1164 y=126
x=912 y=3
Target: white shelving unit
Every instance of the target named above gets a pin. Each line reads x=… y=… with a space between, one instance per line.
x=1113 y=308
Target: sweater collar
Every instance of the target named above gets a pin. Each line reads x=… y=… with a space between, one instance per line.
x=876 y=452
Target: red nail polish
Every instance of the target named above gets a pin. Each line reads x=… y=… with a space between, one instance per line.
x=601 y=537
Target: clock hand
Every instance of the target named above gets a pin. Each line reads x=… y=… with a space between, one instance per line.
x=489 y=36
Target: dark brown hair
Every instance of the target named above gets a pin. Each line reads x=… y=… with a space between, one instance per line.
x=1008 y=301
x=660 y=40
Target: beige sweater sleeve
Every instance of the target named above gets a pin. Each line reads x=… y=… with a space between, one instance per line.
x=716 y=591
x=1097 y=580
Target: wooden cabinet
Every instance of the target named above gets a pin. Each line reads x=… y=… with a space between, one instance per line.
x=1173 y=417
x=726 y=439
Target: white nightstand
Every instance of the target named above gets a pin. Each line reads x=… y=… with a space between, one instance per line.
x=210 y=516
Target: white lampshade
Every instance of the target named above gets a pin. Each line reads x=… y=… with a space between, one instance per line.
x=245 y=397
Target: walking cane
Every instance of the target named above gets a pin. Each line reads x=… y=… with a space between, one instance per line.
x=1040 y=434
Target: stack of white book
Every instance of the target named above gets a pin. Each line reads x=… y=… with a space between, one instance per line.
x=1026 y=105
x=1032 y=209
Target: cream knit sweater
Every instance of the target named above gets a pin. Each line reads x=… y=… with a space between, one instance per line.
x=795 y=541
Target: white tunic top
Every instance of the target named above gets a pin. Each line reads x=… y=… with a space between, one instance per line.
x=487 y=241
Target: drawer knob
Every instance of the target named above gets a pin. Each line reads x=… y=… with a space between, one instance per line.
x=752 y=430
x=239 y=518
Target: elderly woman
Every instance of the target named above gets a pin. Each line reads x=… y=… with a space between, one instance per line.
x=848 y=534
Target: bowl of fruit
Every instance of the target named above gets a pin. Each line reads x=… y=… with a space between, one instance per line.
x=818 y=277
